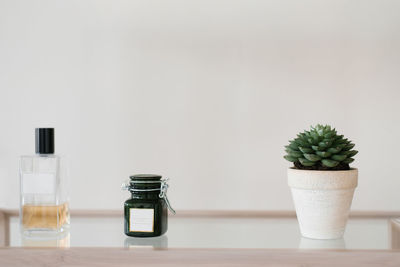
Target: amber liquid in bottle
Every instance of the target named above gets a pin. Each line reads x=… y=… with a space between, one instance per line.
x=45 y=217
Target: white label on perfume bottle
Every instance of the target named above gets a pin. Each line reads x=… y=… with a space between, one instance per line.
x=38 y=183
x=141 y=220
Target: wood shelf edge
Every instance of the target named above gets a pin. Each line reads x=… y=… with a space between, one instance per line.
x=189 y=257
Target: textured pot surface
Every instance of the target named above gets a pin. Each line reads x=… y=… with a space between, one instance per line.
x=322 y=200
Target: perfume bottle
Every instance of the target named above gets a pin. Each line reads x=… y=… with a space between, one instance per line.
x=44 y=188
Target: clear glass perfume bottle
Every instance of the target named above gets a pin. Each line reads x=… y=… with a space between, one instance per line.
x=44 y=188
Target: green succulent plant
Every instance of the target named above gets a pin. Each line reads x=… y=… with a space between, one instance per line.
x=320 y=148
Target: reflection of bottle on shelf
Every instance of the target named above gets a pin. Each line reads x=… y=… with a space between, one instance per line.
x=307 y=243
x=150 y=242
x=394 y=233
x=60 y=240
x=44 y=188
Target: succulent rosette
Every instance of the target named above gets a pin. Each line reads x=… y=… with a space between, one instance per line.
x=320 y=148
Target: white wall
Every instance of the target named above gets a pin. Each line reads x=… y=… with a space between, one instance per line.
x=206 y=92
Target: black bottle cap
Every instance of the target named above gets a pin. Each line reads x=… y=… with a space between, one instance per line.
x=44 y=140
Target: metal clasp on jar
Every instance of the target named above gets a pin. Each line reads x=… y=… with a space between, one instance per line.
x=163 y=190
x=163 y=194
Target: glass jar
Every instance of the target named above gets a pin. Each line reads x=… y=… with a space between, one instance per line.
x=146 y=212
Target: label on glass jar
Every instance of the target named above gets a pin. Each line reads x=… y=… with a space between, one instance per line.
x=141 y=220
x=38 y=183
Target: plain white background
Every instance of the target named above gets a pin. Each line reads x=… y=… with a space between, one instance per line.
x=204 y=92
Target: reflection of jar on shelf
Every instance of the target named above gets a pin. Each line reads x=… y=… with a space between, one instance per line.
x=151 y=242
x=146 y=212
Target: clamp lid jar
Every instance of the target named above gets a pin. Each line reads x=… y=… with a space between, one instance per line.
x=146 y=212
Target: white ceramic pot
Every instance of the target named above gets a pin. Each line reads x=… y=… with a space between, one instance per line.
x=322 y=200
